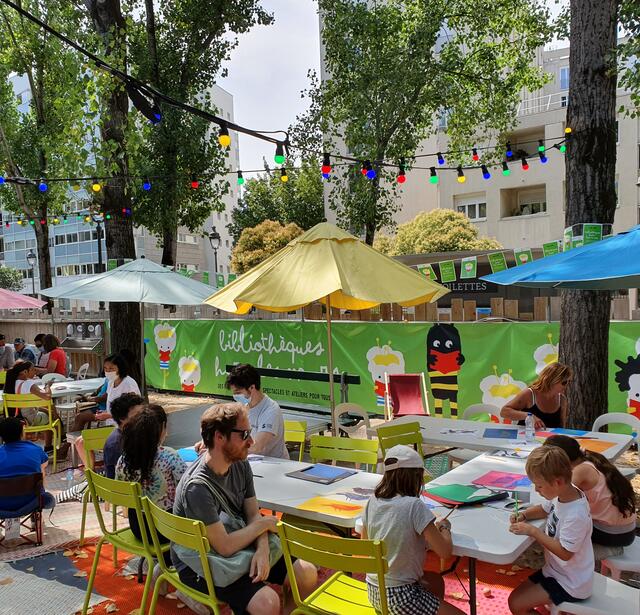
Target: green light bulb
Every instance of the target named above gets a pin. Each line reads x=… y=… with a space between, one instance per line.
x=506 y=172
x=279 y=158
x=433 y=179
x=563 y=148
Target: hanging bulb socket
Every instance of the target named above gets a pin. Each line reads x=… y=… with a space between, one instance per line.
x=541 y=145
x=326 y=164
x=146 y=185
x=371 y=172
x=485 y=172
x=95 y=185
x=43 y=186
x=509 y=152
x=279 y=156
x=525 y=164
x=283 y=176
x=474 y=154
x=195 y=184
x=461 y=176
x=223 y=136
x=441 y=160
x=402 y=177
x=433 y=176
x=240 y=178
x=543 y=157
x=506 y=171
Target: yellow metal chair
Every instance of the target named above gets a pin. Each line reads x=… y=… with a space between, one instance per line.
x=188 y=533
x=3 y=377
x=404 y=433
x=13 y=403
x=340 y=593
x=296 y=432
x=94 y=440
x=352 y=450
x=127 y=495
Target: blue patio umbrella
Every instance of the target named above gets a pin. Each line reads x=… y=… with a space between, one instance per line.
x=610 y=264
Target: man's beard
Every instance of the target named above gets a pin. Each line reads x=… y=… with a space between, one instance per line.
x=234 y=453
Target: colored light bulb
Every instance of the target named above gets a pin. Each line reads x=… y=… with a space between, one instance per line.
x=1 y=180
x=540 y=145
x=240 y=178
x=223 y=137
x=506 y=171
x=485 y=172
x=440 y=159
x=108 y=217
x=279 y=157
x=283 y=176
x=32 y=222
x=326 y=164
x=461 y=176
x=563 y=148
x=95 y=186
x=525 y=164
x=433 y=179
x=194 y=183
x=509 y=151
x=401 y=178
x=474 y=155
x=42 y=186
x=567 y=131
x=146 y=185
x=543 y=158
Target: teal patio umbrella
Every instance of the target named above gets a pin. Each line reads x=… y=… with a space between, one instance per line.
x=140 y=281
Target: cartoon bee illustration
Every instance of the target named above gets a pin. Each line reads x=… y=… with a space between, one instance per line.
x=444 y=358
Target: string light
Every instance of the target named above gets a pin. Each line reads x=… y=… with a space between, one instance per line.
x=371 y=172
x=64 y=219
x=433 y=179
x=474 y=155
x=365 y=167
x=326 y=165
x=441 y=160
x=42 y=221
x=195 y=184
x=283 y=176
x=87 y=218
x=401 y=178
x=240 y=178
x=108 y=217
x=543 y=157
x=506 y=171
x=1 y=180
x=279 y=157
x=509 y=152
x=525 y=164
x=461 y=176
x=56 y=221
x=485 y=172
x=223 y=136
x=42 y=186
x=541 y=145
x=146 y=185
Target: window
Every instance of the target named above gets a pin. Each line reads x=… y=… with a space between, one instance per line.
x=564 y=78
x=72 y=238
x=523 y=201
x=60 y=239
x=187 y=238
x=530 y=203
x=226 y=243
x=473 y=210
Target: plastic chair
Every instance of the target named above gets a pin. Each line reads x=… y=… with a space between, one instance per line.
x=620 y=418
x=296 y=431
x=404 y=433
x=54 y=377
x=17 y=402
x=608 y=596
x=352 y=450
x=188 y=533
x=405 y=394
x=352 y=409
x=463 y=455
x=629 y=561
x=82 y=371
x=94 y=440
x=31 y=512
x=340 y=593
x=128 y=495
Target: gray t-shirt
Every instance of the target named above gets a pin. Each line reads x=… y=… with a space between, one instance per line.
x=195 y=501
x=400 y=522
x=267 y=416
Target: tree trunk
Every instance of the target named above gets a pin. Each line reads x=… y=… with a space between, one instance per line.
x=44 y=257
x=124 y=317
x=169 y=247
x=590 y=180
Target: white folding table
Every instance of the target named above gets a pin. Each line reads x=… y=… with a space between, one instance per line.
x=469 y=434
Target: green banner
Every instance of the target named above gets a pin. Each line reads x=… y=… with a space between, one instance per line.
x=567 y=239
x=112 y=263
x=427 y=270
x=523 y=256
x=485 y=362
x=550 y=248
x=497 y=261
x=231 y=277
x=220 y=280
x=469 y=267
x=205 y=277
x=591 y=233
x=447 y=271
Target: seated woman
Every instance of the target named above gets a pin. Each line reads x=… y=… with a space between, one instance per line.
x=22 y=380
x=56 y=357
x=116 y=371
x=99 y=401
x=145 y=460
x=544 y=399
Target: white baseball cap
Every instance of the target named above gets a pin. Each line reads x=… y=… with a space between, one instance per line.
x=403 y=456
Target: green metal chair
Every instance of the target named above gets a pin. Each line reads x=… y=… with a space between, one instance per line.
x=188 y=533
x=350 y=450
x=403 y=433
x=128 y=495
x=340 y=593
x=296 y=432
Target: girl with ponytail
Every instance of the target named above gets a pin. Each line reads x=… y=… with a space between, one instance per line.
x=610 y=495
x=145 y=460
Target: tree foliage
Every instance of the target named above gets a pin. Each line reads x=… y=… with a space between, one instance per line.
x=260 y=242
x=629 y=52
x=179 y=47
x=10 y=279
x=299 y=200
x=440 y=230
x=393 y=67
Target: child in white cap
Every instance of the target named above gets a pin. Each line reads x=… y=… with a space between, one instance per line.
x=397 y=516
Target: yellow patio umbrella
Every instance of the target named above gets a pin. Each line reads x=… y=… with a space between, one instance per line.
x=329 y=265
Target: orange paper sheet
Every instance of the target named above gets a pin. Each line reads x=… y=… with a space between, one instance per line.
x=336 y=508
x=595 y=446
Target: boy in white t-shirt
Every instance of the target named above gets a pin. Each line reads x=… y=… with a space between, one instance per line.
x=567 y=575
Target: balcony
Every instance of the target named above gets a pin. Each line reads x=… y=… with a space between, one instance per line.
x=542 y=104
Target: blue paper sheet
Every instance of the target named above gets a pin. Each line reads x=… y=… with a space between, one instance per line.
x=506 y=434
x=569 y=432
x=324 y=471
x=188 y=454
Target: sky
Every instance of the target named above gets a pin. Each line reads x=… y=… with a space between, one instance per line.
x=267 y=71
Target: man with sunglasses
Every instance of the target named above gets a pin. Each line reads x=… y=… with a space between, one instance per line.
x=220 y=482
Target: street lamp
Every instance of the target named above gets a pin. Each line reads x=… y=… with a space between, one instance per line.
x=31 y=260
x=99 y=221
x=214 y=240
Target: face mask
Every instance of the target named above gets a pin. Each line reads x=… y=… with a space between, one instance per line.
x=243 y=399
x=111 y=376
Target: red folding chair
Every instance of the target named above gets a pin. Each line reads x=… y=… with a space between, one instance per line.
x=405 y=394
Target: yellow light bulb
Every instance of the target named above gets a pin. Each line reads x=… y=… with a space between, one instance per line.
x=284 y=178
x=462 y=179
x=224 y=140
x=96 y=187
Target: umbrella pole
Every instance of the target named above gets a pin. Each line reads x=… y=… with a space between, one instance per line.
x=142 y=372
x=332 y=402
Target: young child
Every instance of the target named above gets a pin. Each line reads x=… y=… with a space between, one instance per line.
x=567 y=575
x=396 y=515
x=610 y=496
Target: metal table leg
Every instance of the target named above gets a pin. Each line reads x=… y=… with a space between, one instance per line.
x=473 y=608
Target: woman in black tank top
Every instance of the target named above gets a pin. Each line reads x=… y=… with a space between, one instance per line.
x=544 y=399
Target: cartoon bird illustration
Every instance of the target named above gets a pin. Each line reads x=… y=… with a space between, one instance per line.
x=190 y=374
x=165 y=338
x=628 y=379
x=444 y=359
x=383 y=359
